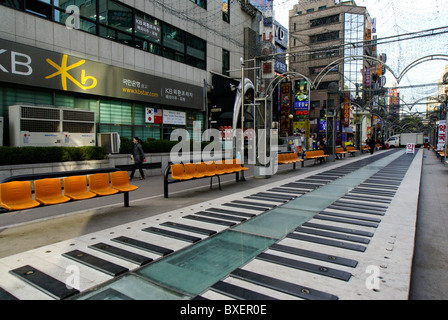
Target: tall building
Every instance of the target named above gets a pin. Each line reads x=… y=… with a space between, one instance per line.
x=144 y=68
x=321 y=32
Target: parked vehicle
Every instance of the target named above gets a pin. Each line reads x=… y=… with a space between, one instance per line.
x=401 y=140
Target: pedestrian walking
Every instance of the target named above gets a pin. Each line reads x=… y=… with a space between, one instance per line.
x=371 y=143
x=139 y=157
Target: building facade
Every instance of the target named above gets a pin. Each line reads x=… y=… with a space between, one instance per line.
x=322 y=32
x=144 y=68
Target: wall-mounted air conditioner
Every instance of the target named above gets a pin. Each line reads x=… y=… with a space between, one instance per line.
x=109 y=141
x=49 y=126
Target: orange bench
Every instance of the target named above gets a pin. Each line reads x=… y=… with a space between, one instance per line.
x=191 y=171
x=340 y=151
x=18 y=195
x=317 y=155
x=288 y=158
x=351 y=150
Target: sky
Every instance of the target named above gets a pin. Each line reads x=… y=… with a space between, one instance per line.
x=398 y=17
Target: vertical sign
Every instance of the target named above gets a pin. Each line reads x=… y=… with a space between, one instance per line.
x=442 y=135
x=285 y=106
x=301 y=100
x=410 y=148
x=346 y=114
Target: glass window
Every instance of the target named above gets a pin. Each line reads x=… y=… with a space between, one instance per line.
x=328 y=36
x=116 y=15
x=201 y=3
x=39 y=8
x=173 y=38
x=84 y=24
x=225 y=62
x=115 y=112
x=16 y=4
x=353 y=34
x=87 y=9
x=226 y=10
x=148 y=28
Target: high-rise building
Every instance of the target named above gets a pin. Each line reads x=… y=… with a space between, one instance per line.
x=144 y=67
x=321 y=32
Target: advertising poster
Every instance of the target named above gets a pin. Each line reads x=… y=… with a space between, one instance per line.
x=301 y=100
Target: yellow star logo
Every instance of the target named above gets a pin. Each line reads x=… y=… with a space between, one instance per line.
x=63 y=72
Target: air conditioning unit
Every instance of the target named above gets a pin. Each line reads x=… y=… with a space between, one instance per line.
x=110 y=142
x=78 y=128
x=31 y=126
x=35 y=126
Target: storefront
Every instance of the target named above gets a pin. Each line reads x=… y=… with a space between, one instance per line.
x=125 y=101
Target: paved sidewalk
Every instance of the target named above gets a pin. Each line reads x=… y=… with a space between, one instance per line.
x=429 y=272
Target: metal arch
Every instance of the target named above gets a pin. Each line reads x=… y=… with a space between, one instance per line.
x=424 y=59
x=327 y=69
x=416 y=62
x=425 y=98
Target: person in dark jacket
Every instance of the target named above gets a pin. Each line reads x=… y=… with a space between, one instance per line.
x=139 y=157
x=371 y=143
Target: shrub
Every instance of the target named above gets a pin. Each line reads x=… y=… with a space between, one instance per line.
x=152 y=145
x=29 y=155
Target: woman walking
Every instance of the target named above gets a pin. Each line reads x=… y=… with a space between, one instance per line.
x=139 y=157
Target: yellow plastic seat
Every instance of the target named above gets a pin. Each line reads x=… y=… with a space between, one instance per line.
x=220 y=167
x=49 y=191
x=228 y=165
x=201 y=170
x=17 y=195
x=190 y=170
x=237 y=164
x=211 y=169
x=120 y=180
x=99 y=184
x=75 y=188
x=177 y=172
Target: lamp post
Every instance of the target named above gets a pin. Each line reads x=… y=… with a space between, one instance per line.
x=242 y=116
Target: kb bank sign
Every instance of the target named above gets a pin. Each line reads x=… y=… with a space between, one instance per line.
x=26 y=65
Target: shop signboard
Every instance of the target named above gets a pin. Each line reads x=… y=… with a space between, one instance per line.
x=177 y=118
x=30 y=66
x=442 y=135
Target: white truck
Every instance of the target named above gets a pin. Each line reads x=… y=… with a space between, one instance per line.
x=401 y=140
